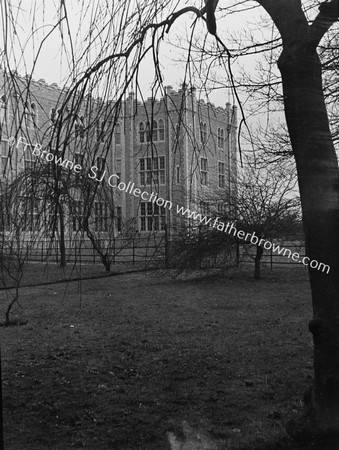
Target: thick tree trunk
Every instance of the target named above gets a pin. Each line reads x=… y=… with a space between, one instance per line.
x=257 y=262
x=318 y=177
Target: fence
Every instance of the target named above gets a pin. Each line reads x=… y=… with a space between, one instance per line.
x=144 y=250
x=154 y=251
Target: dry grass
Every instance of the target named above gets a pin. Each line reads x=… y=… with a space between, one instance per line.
x=124 y=362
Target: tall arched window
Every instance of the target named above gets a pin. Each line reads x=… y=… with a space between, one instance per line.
x=148 y=132
x=221 y=138
x=3 y=106
x=161 y=130
x=53 y=115
x=203 y=132
x=34 y=114
x=141 y=132
x=118 y=134
x=155 y=131
x=102 y=131
x=79 y=127
x=27 y=113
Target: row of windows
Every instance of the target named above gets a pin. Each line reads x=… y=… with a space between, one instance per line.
x=152 y=217
x=30 y=112
x=208 y=208
x=220 y=135
x=148 y=132
x=152 y=170
x=79 y=126
x=154 y=131
x=102 y=216
x=204 y=173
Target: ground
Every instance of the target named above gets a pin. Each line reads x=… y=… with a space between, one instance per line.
x=137 y=361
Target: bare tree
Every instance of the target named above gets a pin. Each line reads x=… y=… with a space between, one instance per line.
x=266 y=204
x=124 y=33
x=20 y=221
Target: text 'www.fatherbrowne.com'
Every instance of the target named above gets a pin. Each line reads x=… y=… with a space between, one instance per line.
x=230 y=228
x=113 y=181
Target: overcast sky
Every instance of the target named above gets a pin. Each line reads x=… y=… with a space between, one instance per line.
x=34 y=35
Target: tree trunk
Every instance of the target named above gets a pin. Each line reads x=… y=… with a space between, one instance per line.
x=317 y=169
x=9 y=309
x=257 y=262
x=62 y=245
x=107 y=263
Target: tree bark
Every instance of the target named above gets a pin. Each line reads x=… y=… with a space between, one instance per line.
x=317 y=168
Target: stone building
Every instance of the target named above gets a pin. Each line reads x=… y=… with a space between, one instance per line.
x=149 y=158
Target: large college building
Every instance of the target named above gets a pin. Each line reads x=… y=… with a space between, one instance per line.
x=147 y=162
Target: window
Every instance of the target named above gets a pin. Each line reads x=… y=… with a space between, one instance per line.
x=78 y=158
x=100 y=163
x=118 y=169
x=222 y=208
x=221 y=138
x=141 y=132
x=3 y=107
x=78 y=215
x=4 y=156
x=221 y=173
x=152 y=170
x=203 y=171
x=155 y=131
x=148 y=132
x=204 y=208
x=101 y=216
x=119 y=219
x=79 y=127
x=178 y=133
x=118 y=134
x=29 y=161
x=177 y=177
x=34 y=114
x=27 y=113
x=31 y=211
x=161 y=130
x=203 y=132
x=53 y=115
x=152 y=217
x=100 y=130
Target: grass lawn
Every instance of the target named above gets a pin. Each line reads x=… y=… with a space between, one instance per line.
x=135 y=361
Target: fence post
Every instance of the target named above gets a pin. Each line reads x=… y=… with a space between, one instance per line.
x=271 y=258
x=133 y=252
x=237 y=249
x=199 y=243
x=166 y=248
x=1 y=411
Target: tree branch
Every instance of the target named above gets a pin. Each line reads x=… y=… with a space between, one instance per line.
x=328 y=14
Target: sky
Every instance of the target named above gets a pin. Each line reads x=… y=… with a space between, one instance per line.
x=35 y=34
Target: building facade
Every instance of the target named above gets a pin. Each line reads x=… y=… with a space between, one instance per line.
x=142 y=161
